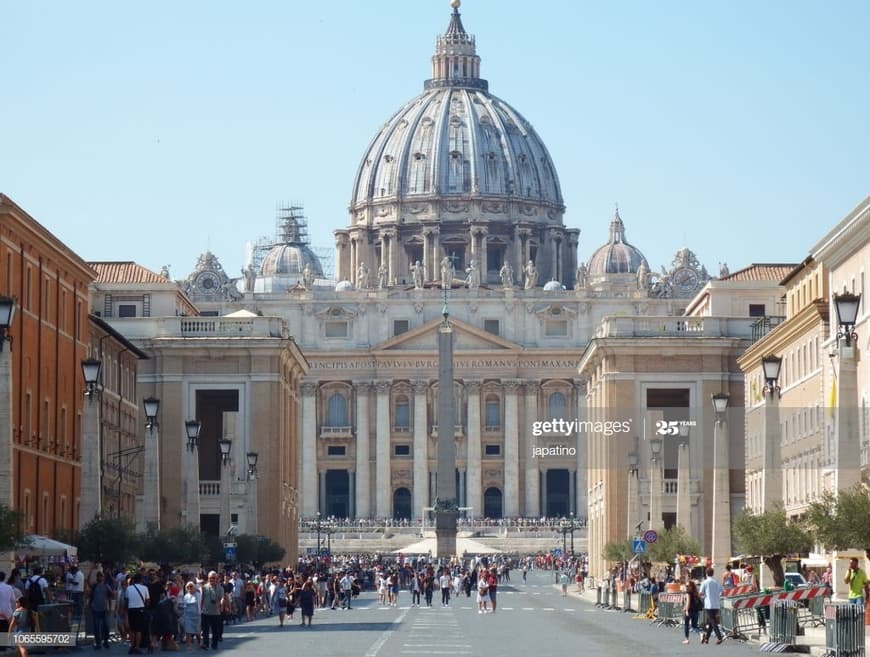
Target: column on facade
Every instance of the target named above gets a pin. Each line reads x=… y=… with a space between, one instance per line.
x=474 y=481
x=321 y=487
x=309 y=450
x=582 y=449
x=519 y=263
x=151 y=478
x=351 y=479
x=511 y=450
x=421 y=449
x=435 y=273
x=684 y=499
x=351 y=275
x=363 y=466
x=427 y=255
x=484 y=256
x=532 y=505
x=383 y=481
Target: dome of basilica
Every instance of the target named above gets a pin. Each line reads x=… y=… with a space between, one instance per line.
x=617 y=256
x=456 y=139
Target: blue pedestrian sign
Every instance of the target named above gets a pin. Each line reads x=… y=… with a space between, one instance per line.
x=230 y=554
x=638 y=546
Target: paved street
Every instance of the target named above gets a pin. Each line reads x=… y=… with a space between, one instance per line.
x=532 y=619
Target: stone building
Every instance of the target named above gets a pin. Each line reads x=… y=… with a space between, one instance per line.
x=455 y=201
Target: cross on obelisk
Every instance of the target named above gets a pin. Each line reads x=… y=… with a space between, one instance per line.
x=446 y=508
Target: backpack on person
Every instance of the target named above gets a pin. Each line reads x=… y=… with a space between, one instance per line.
x=34 y=593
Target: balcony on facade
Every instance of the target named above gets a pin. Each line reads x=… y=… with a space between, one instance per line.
x=653 y=327
x=764 y=325
x=327 y=431
x=458 y=431
x=200 y=327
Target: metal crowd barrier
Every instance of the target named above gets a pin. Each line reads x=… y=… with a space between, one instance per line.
x=813 y=614
x=784 y=622
x=670 y=609
x=737 y=623
x=645 y=606
x=626 y=599
x=844 y=630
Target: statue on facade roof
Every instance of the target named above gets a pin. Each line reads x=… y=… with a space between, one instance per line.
x=472 y=278
x=307 y=276
x=506 y=273
x=531 y=273
x=417 y=275
x=382 y=277
x=581 y=276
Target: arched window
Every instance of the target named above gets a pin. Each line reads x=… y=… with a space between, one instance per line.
x=556 y=405
x=402 y=414
x=336 y=411
x=492 y=413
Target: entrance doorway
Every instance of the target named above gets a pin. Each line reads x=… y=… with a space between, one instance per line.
x=558 y=493
x=402 y=504
x=337 y=501
x=492 y=503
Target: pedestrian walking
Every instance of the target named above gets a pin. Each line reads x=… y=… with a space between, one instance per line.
x=711 y=593
x=692 y=606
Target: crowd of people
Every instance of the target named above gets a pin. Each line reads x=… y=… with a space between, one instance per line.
x=520 y=524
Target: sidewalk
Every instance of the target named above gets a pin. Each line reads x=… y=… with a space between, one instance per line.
x=812 y=641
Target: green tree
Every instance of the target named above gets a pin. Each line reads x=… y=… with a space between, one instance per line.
x=771 y=535
x=108 y=540
x=618 y=550
x=670 y=543
x=258 y=550
x=11 y=533
x=173 y=546
x=842 y=521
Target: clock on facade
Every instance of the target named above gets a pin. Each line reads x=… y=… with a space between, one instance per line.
x=685 y=278
x=207 y=281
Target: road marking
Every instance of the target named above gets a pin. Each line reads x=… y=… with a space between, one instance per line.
x=377 y=645
x=548 y=609
x=506 y=608
x=528 y=608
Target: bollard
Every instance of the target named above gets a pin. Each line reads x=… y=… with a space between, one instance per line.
x=614 y=602
x=599 y=596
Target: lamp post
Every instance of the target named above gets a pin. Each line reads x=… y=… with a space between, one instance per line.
x=253 y=527
x=571 y=528
x=191 y=482
x=721 y=521
x=151 y=475
x=7 y=314
x=318 y=537
x=848 y=470
x=771 y=476
x=655 y=484
x=563 y=528
x=633 y=524
x=90 y=499
x=226 y=445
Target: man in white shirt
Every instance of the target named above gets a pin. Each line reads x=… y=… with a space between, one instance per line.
x=7 y=602
x=137 y=600
x=346 y=590
x=74 y=581
x=711 y=592
x=445 y=583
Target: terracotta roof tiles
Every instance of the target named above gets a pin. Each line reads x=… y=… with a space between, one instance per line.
x=125 y=272
x=762 y=272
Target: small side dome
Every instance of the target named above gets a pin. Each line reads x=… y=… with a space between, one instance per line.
x=617 y=256
x=553 y=286
x=290 y=259
x=344 y=286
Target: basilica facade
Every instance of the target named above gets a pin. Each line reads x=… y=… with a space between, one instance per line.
x=456 y=202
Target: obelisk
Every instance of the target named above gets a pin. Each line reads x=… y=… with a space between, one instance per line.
x=446 y=508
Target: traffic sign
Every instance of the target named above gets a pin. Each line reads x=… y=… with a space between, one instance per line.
x=638 y=546
x=230 y=553
x=650 y=536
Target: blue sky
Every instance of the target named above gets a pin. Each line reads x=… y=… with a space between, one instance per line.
x=152 y=131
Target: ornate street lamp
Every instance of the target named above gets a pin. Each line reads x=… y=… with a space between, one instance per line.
x=720 y=405
x=252 y=463
x=7 y=314
x=847 y=305
x=152 y=407
x=225 y=445
x=655 y=445
x=632 y=463
x=771 y=365
x=192 y=428
x=91 y=373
